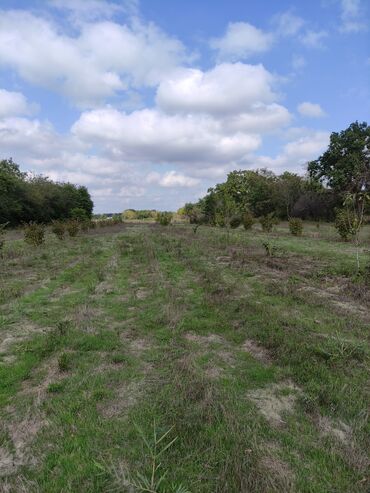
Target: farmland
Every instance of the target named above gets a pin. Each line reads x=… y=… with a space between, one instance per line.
x=256 y=365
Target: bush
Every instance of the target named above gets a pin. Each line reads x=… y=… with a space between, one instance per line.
x=248 y=220
x=220 y=220
x=59 y=229
x=2 y=235
x=72 y=227
x=345 y=223
x=235 y=222
x=267 y=222
x=296 y=226
x=164 y=218
x=34 y=234
x=85 y=225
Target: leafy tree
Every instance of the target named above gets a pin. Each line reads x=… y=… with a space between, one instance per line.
x=345 y=165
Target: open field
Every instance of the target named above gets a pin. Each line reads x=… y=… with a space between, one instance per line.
x=260 y=364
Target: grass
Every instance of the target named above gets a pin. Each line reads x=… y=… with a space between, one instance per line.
x=257 y=365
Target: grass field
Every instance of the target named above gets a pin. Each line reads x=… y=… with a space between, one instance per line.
x=257 y=366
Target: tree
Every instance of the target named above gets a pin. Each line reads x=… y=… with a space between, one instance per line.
x=345 y=165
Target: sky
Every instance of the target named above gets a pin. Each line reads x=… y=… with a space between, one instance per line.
x=149 y=103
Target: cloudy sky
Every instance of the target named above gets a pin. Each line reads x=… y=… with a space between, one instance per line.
x=150 y=102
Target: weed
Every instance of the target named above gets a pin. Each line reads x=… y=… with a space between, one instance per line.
x=72 y=226
x=64 y=362
x=59 y=229
x=248 y=220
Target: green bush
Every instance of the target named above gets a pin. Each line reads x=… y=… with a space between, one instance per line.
x=2 y=237
x=34 y=234
x=164 y=218
x=248 y=220
x=72 y=227
x=267 y=222
x=235 y=222
x=296 y=226
x=59 y=229
x=345 y=223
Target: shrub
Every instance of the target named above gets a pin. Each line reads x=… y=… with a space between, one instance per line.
x=296 y=226
x=164 y=218
x=235 y=222
x=267 y=222
x=220 y=220
x=59 y=229
x=85 y=225
x=270 y=248
x=345 y=223
x=2 y=235
x=248 y=220
x=72 y=227
x=34 y=234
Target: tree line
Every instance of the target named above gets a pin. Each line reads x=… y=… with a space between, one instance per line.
x=26 y=198
x=337 y=182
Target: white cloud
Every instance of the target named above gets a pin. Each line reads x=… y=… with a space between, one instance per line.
x=351 y=16
x=152 y=135
x=312 y=110
x=172 y=179
x=288 y=24
x=314 y=39
x=14 y=104
x=103 y=59
x=240 y=41
x=298 y=62
x=226 y=89
x=297 y=153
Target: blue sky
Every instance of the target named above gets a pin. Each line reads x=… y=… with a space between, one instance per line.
x=148 y=103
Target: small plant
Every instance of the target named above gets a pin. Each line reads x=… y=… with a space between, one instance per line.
x=72 y=227
x=63 y=326
x=267 y=222
x=345 y=223
x=2 y=235
x=64 y=362
x=34 y=234
x=164 y=218
x=153 y=481
x=248 y=220
x=271 y=249
x=59 y=229
x=296 y=226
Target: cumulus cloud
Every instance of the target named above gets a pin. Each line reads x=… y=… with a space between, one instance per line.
x=172 y=179
x=351 y=16
x=312 y=110
x=102 y=60
x=151 y=134
x=14 y=104
x=89 y=10
x=240 y=41
x=296 y=153
x=225 y=89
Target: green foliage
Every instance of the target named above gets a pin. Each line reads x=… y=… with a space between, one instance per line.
x=346 y=223
x=345 y=166
x=79 y=214
x=267 y=222
x=59 y=229
x=72 y=227
x=26 y=198
x=34 y=234
x=296 y=226
x=248 y=220
x=270 y=248
x=164 y=218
